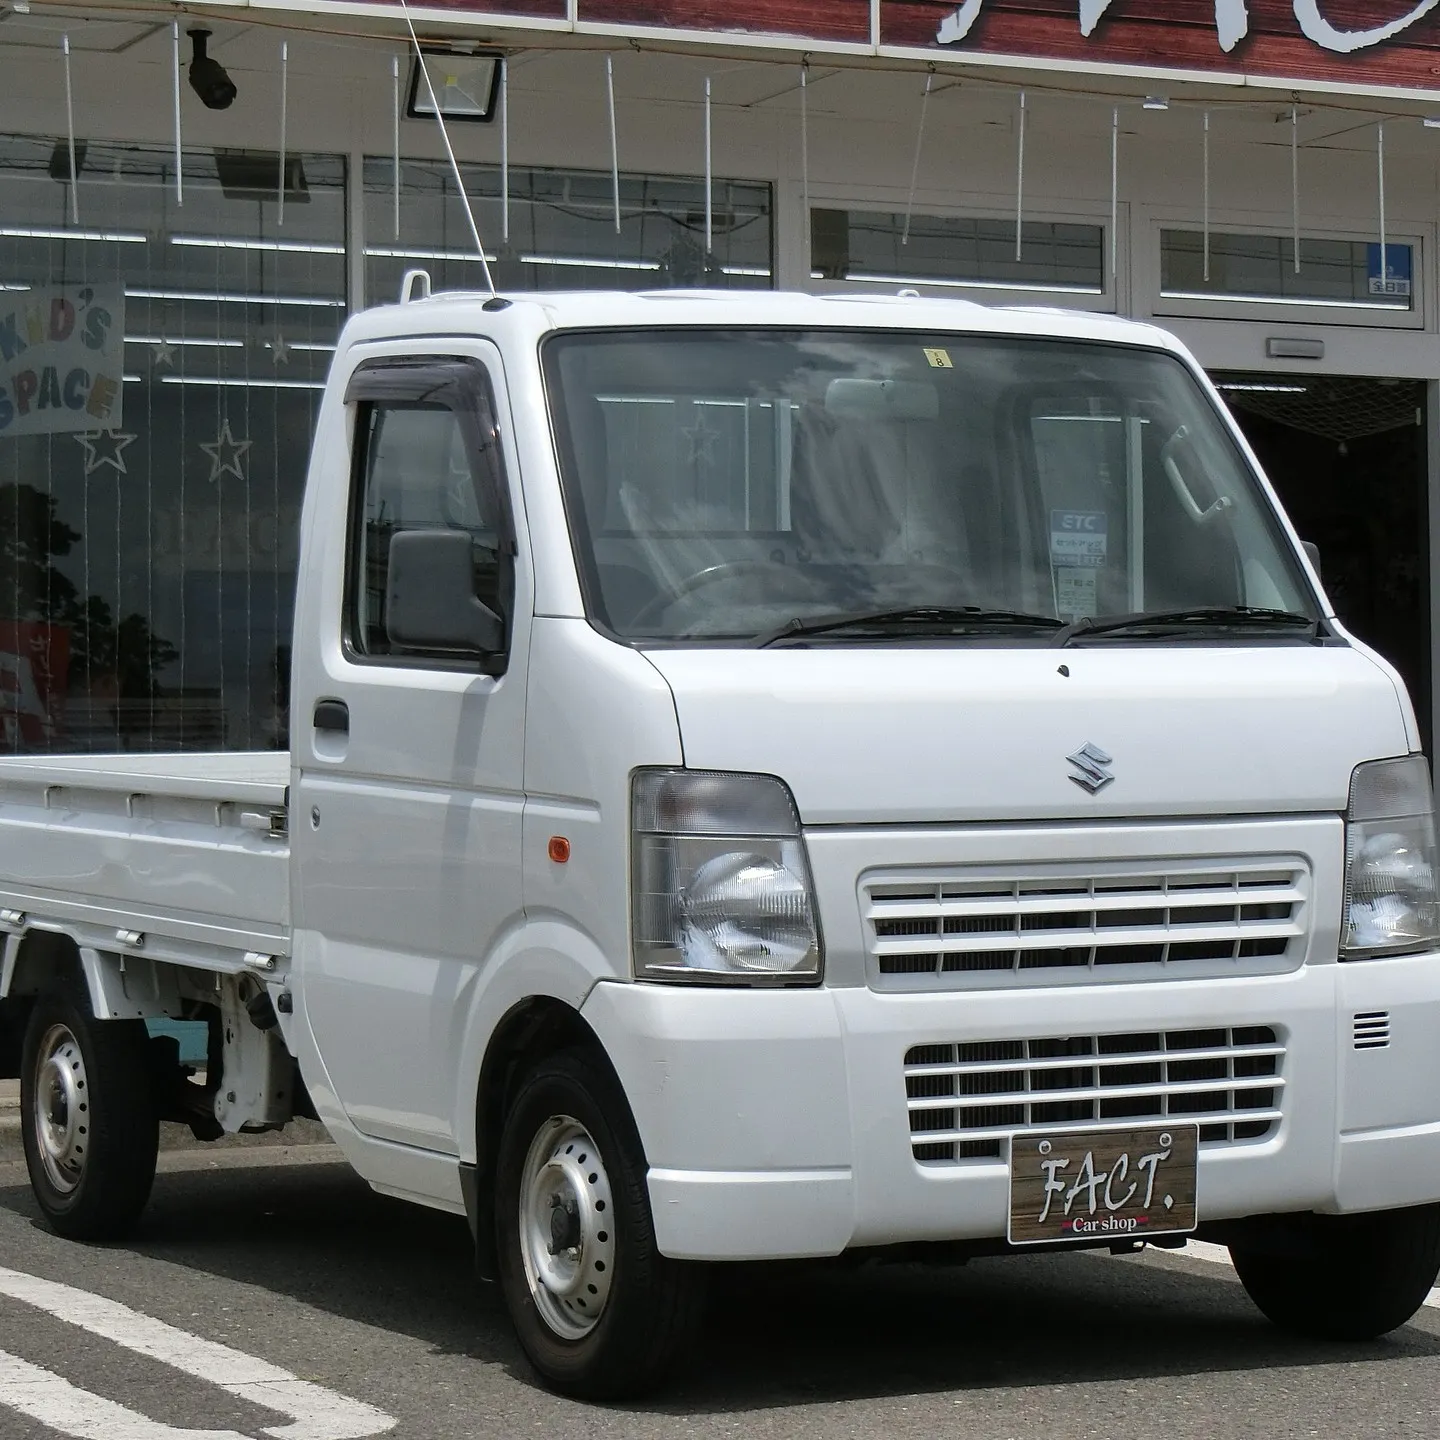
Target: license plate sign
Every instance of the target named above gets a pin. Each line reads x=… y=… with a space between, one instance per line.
x=1103 y=1184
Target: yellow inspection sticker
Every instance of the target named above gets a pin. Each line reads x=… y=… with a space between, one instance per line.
x=939 y=359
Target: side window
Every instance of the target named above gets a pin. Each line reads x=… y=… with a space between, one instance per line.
x=426 y=458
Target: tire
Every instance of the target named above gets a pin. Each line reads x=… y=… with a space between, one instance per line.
x=89 y=1121
x=571 y=1167
x=1364 y=1276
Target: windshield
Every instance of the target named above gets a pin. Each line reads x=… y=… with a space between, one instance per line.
x=729 y=486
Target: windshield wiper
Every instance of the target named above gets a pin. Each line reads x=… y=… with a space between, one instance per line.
x=908 y=620
x=1201 y=618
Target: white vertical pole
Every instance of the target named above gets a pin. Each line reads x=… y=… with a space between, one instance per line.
x=70 y=134
x=1207 y=197
x=175 y=57
x=1295 y=183
x=284 y=101
x=614 y=143
x=805 y=158
x=1135 y=492
x=709 y=178
x=1115 y=197
x=505 y=150
x=1020 y=184
x=1380 y=161
x=395 y=139
x=915 y=164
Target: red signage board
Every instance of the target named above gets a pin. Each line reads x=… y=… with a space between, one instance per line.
x=1367 y=44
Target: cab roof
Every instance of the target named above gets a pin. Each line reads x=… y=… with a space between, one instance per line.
x=536 y=314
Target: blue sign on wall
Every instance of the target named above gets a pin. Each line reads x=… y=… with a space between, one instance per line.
x=1397 y=280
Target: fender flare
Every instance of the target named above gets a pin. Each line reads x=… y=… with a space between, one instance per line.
x=544 y=958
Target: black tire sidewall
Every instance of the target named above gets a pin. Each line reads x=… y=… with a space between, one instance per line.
x=123 y=1129
x=1370 y=1275
x=629 y=1347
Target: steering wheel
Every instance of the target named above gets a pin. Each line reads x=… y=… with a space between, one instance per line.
x=711 y=575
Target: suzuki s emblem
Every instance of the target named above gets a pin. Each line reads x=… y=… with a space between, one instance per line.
x=1091 y=768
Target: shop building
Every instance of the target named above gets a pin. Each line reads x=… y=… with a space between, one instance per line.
x=1261 y=177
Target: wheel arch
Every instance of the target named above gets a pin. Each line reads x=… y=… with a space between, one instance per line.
x=531 y=1030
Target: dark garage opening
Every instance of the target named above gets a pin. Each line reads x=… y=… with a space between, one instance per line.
x=1348 y=458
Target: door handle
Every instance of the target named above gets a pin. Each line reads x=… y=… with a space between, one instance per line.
x=332 y=716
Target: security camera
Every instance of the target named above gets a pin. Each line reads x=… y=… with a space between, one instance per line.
x=208 y=77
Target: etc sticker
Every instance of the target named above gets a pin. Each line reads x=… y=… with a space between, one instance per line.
x=939 y=359
x=1078 y=538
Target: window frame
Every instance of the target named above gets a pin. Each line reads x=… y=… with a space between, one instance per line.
x=462 y=385
x=1276 y=309
x=855 y=200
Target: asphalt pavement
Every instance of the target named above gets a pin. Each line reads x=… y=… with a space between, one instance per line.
x=269 y=1278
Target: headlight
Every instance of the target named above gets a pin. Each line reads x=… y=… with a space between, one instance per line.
x=720 y=881
x=1390 y=901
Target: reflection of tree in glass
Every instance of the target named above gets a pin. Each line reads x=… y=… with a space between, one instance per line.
x=119 y=658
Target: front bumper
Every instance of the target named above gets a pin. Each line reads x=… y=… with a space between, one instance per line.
x=775 y=1122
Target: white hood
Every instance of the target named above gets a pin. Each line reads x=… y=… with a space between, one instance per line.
x=918 y=735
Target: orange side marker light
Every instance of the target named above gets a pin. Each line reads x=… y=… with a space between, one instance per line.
x=559 y=849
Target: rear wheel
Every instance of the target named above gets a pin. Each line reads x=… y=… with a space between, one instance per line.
x=1363 y=1275
x=600 y=1313
x=89 y=1120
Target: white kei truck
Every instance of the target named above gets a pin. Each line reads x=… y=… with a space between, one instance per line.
x=772 y=776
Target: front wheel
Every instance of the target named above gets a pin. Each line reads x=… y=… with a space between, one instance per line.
x=1363 y=1275
x=600 y=1313
x=89 y=1120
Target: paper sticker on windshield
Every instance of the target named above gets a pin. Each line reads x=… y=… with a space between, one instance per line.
x=1078 y=538
x=1075 y=594
x=939 y=359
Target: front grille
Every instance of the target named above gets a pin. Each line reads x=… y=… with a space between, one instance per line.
x=966 y=1100
x=974 y=929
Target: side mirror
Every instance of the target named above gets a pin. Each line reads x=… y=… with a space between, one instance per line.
x=1313 y=551
x=430 y=601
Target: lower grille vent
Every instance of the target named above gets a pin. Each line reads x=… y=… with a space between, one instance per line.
x=966 y=1100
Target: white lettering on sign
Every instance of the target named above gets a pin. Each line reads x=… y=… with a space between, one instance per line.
x=313 y=1412
x=1232 y=24
x=1322 y=32
x=1097 y=1186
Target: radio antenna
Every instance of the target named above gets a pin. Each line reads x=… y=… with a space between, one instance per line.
x=449 y=150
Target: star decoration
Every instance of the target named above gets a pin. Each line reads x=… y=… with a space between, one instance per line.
x=162 y=352
x=105 y=447
x=702 y=440
x=226 y=453
x=279 y=350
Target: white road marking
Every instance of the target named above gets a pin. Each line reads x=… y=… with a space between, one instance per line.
x=316 y=1413
x=75 y=1412
x=1219 y=1255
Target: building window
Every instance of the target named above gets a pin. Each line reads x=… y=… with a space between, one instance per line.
x=160 y=369
x=562 y=231
x=1333 y=274
x=957 y=251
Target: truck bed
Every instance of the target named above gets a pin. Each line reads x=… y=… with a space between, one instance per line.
x=189 y=851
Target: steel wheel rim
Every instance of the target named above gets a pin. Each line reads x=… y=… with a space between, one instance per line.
x=569 y=1283
x=61 y=1109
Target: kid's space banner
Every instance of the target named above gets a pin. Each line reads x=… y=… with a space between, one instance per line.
x=61 y=348
x=1377 y=44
